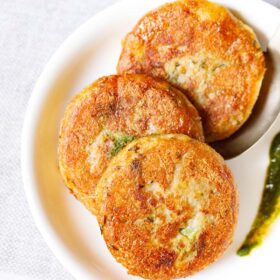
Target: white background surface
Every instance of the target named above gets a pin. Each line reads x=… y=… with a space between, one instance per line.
x=31 y=30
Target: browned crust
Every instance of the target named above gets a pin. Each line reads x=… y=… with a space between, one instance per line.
x=122 y=198
x=187 y=28
x=126 y=104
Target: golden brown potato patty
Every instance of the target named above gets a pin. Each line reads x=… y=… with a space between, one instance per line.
x=167 y=206
x=107 y=115
x=201 y=48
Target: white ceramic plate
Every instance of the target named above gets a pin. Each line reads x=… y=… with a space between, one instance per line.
x=69 y=229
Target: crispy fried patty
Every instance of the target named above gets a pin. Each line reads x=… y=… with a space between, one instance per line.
x=107 y=115
x=167 y=206
x=201 y=48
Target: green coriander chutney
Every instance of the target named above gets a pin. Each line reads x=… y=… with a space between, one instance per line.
x=270 y=205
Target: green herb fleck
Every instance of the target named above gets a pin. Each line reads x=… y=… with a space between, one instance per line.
x=218 y=66
x=187 y=232
x=151 y=218
x=119 y=142
x=203 y=64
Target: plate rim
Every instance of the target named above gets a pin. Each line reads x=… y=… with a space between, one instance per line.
x=27 y=152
